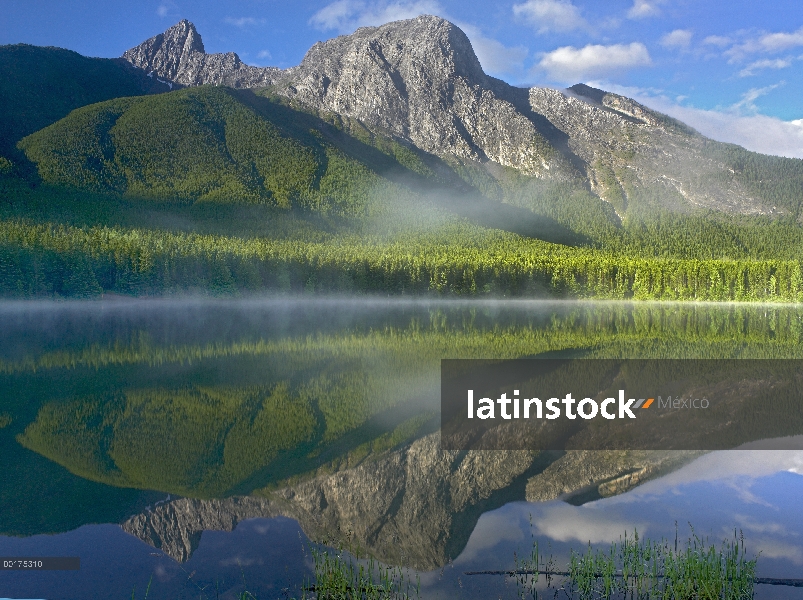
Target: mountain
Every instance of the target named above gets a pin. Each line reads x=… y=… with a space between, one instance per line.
x=200 y=144
x=420 y=81
x=217 y=144
x=178 y=55
x=416 y=506
x=39 y=86
x=392 y=144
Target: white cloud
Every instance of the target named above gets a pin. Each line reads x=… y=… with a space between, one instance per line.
x=776 y=42
x=773 y=548
x=748 y=100
x=564 y=523
x=494 y=56
x=767 y=43
x=644 y=8
x=759 y=65
x=756 y=132
x=550 y=15
x=492 y=529
x=264 y=54
x=735 y=466
x=679 y=38
x=574 y=64
x=345 y=16
x=243 y=22
x=338 y=15
x=717 y=40
x=748 y=523
x=167 y=9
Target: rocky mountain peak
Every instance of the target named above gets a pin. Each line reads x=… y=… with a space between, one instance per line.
x=178 y=56
x=420 y=80
x=167 y=52
x=431 y=45
x=184 y=35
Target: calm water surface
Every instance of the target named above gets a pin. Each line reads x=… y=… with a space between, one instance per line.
x=222 y=436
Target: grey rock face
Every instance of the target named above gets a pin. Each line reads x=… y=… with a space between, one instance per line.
x=178 y=55
x=417 y=79
x=416 y=506
x=421 y=81
x=625 y=145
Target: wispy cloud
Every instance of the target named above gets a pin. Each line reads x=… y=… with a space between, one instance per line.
x=642 y=9
x=243 y=22
x=166 y=9
x=766 y=43
x=564 y=523
x=748 y=523
x=570 y=64
x=760 y=65
x=771 y=547
x=493 y=55
x=679 y=39
x=717 y=40
x=264 y=54
x=492 y=529
x=774 y=42
x=748 y=100
x=742 y=124
x=735 y=466
x=550 y=15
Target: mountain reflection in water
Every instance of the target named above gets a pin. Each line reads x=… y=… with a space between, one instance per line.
x=323 y=411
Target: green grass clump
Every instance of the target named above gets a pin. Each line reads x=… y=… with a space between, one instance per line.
x=340 y=574
x=640 y=569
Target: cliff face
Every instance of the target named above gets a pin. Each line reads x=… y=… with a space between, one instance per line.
x=418 y=79
x=416 y=506
x=625 y=145
x=421 y=81
x=178 y=56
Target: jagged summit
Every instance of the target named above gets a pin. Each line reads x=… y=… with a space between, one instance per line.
x=427 y=42
x=420 y=80
x=178 y=55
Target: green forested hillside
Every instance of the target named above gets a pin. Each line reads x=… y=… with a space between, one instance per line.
x=775 y=179
x=39 y=86
x=210 y=189
x=203 y=145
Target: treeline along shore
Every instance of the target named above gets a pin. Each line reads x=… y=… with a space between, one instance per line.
x=59 y=260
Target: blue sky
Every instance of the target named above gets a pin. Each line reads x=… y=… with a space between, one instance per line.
x=733 y=70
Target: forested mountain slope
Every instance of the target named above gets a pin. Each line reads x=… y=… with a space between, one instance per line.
x=39 y=86
x=387 y=161
x=420 y=80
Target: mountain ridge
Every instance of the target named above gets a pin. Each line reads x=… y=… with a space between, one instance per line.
x=394 y=133
x=40 y=85
x=420 y=81
x=178 y=55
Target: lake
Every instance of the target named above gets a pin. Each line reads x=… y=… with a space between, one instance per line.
x=200 y=445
